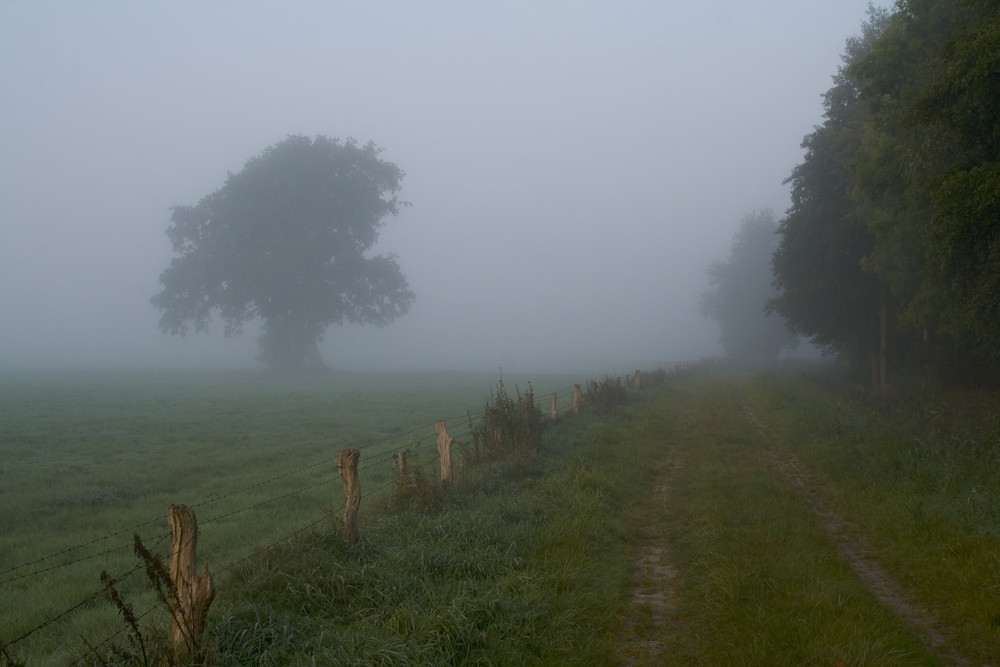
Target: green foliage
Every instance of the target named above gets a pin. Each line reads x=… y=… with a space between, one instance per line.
x=284 y=241
x=895 y=207
x=823 y=291
x=739 y=291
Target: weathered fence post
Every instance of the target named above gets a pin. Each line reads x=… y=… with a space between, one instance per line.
x=347 y=466
x=404 y=470
x=638 y=379
x=577 y=399
x=194 y=594
x=444 y=449
x=555 y=405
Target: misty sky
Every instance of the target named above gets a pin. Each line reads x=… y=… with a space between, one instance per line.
x=573 y=166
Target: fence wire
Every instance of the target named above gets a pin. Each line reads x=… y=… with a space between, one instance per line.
x=464 y=426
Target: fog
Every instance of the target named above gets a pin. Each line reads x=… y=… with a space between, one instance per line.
x=572 y=166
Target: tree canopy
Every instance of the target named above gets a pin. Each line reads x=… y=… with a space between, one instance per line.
x=929 y=173
x=823 y=291
x=739 y=290
x=285 y=242
x=893 y=237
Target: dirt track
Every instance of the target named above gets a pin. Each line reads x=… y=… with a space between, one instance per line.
x=654 y=588
x=855 y=550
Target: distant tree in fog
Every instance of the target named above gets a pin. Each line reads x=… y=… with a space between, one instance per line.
x=739 y=290
x=285 y=241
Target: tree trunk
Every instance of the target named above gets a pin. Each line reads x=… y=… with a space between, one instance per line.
x=313 y=359
x=290 y=345
x=883 y=368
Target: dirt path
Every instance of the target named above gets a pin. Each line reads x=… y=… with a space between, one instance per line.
x=653 y=590
x=856 y=551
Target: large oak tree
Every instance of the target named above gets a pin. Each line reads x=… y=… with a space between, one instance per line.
x=285 y=242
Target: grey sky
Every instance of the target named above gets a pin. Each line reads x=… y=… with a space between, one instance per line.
x=573 y=166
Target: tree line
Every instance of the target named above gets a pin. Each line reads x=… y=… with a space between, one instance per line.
x=889 y=255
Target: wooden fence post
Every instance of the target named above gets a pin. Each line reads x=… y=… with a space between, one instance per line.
x=404 y=470
x=638 y=379
x=577 y=399
x=555 y=405
x=194 y=594
x=444 y=449
x=347 y=466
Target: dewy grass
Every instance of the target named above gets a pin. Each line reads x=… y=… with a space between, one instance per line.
x=521 y=562
x=758 y=580
x=919 y=473
x=532 y=559
x=91 y=455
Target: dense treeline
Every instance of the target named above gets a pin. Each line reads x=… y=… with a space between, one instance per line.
x=889 y=255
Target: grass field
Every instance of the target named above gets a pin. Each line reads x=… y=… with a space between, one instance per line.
x=88 y=459
x=775 y=519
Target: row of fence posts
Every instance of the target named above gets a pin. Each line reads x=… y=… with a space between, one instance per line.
x=194 y=593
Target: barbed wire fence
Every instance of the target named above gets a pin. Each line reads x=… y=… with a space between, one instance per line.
x=376 y=454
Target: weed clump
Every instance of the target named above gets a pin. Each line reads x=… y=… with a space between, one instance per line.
x=511 y=425
x=606 y=395
x=413 y=486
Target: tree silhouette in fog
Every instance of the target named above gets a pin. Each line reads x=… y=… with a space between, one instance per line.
x=284 y=241
x=739 y=290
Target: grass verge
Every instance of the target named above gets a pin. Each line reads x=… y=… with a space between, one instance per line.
x=521 y=562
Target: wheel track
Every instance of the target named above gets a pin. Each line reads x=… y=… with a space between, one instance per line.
x=855 y=550
x=653 y=573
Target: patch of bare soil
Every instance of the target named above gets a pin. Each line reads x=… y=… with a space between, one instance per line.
x=653 y=591
x=652 y=594
x=856 y=552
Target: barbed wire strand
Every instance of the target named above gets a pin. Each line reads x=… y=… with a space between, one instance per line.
x=384 y=456
x=202 y=503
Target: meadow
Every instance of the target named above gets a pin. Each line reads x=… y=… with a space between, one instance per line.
x=720 y=518
x=88 y=459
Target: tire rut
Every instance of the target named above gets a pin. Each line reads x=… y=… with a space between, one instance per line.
x=653 y=576
x=855 y=550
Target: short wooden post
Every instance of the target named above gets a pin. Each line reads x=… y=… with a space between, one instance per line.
x=192 y=594
x=347 y=466
x=638 y=379
x=444 y=449
x=577 y=398
x=555 y=405
x=404 y=469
